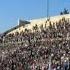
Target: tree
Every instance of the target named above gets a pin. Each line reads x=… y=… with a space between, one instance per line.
x=61 y=13
x=64 y=12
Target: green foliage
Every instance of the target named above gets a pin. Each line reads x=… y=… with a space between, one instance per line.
x=64 y=12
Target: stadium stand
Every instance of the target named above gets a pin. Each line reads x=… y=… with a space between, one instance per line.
x=38 y=50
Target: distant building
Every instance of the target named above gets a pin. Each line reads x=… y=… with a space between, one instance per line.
x=29 y=24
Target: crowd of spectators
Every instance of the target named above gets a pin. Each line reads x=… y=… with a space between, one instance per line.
x=47 y=49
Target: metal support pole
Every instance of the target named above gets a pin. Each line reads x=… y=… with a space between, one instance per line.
x=47 y=8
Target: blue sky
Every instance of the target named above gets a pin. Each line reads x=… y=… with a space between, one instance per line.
x=12 y=10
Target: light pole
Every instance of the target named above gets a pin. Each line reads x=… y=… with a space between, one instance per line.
x=47 y=10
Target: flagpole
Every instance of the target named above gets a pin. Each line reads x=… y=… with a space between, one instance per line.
x=47 y=8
